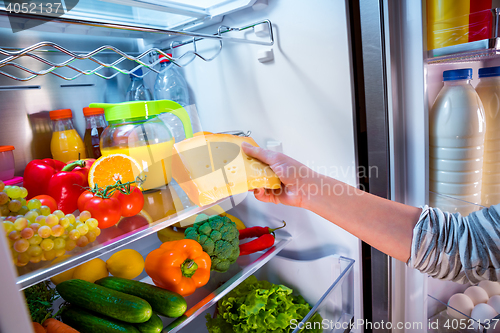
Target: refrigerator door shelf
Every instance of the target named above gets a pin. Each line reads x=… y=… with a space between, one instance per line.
x=476 y=50
x=220 y=284
x=454 y=204
x=170 y=198
x=443 y=322
x=464 y=52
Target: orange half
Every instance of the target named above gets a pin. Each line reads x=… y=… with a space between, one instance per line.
x=107 y=170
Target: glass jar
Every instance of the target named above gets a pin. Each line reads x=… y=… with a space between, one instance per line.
x=66 y=145
x=94 y=126
x=135 y=130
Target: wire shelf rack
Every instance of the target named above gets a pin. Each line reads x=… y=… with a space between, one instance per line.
x=9 y=57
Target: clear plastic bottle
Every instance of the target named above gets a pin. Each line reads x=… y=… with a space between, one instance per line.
x=171 y=85
x=456 y=136
x=66 y=145
x=137 y=90
x=94 y=126
x=488 y=90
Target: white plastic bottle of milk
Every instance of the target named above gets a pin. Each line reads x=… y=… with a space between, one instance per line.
x=488 y=90
x=456 y=137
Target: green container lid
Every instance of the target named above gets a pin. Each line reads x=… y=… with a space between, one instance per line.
x=135 y=109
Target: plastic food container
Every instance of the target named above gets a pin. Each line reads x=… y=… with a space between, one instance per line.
x=136 y=130
x=7 y=167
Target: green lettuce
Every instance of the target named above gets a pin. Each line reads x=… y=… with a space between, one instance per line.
x=259 y=306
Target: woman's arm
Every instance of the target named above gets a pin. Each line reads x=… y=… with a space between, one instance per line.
x=384 y=224
x=444 y=245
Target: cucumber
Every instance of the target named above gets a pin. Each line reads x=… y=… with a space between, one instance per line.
x=163 y=302
x=108 y=302
x=87 y=322
x=153 y=325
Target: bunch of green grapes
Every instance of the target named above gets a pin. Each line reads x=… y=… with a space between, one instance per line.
x=12 y=200
x=40 y=235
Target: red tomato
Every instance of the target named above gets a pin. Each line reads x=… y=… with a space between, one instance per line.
x=131 y=203
x=83 y=199
x=106 y=211
x=48 y=201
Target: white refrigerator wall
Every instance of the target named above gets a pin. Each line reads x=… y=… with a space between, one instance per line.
x=303 y=98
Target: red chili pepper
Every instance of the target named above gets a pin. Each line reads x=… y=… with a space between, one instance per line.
x=259 y=244
x=265 y=239
x=257 y=231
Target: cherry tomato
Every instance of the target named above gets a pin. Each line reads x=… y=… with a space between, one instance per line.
x=47 y=200
x=83 y=199
x=106 y=211
x=131 y=203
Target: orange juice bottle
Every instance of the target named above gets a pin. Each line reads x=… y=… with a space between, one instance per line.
x=66 y=144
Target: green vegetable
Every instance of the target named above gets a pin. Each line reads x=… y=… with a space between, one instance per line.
x=111 y=303
x=90 y=322
x=258 y=307
x=40 y=298
x=164 y=302
x=153 y=325
x=219 y=237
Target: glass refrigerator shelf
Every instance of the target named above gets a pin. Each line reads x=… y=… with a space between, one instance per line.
x=114 y=237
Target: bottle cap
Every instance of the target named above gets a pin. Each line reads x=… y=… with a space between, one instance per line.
x=489 y=71
x=61 y=114
x=137 y=72
x=135 y=109
x=92 y=111
x=165 y=59
x=457 y=74
x=6 y=148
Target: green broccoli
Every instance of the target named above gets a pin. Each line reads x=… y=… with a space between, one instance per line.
x=219 y=237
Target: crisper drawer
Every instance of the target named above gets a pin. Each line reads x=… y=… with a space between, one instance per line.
x=442 y=316
x=325 y=283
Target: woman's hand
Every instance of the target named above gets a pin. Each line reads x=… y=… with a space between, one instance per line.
x=384 y=224
x=292 y=174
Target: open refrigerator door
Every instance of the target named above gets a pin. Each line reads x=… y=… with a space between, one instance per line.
x=413 y=70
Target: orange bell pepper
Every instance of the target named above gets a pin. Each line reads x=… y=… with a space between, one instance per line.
x=179 y=266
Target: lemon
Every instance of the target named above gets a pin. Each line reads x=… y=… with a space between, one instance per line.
x=91 y=271
x=66 y=275
x=170 y=234
x=239 y=224
x=127 y=264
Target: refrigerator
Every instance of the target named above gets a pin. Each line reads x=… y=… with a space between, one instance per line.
x=342 y=86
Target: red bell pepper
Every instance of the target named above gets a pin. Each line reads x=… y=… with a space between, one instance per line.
x=64 y=185
x=37 y=175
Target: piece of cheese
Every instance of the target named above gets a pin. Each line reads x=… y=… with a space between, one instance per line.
x=212 y=167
